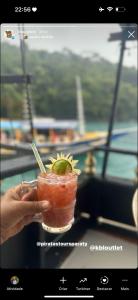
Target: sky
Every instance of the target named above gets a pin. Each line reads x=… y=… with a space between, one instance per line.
x=83 y=39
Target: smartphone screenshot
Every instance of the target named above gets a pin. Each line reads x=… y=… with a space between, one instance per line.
x=68 y=134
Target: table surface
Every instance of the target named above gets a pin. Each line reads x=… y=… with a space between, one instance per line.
x=82 y=257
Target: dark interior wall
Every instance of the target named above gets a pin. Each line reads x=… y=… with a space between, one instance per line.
x=110 y=198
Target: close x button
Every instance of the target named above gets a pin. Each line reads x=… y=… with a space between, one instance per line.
x=131 y=34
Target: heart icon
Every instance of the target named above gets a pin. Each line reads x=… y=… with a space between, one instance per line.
x=104 y=280
x=34 y=9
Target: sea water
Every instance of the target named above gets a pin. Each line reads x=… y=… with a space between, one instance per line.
x=119 y=165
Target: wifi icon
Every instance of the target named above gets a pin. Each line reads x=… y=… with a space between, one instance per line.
x=109 y=8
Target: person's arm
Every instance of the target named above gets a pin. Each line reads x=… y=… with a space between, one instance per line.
x=17 y=210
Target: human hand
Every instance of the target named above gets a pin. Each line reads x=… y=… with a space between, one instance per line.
x=18 y=209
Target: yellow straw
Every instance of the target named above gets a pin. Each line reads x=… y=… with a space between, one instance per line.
x=38 y=158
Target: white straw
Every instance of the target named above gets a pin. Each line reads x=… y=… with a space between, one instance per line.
x=38 y=158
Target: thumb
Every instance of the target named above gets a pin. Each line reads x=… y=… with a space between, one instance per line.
x=32 y=207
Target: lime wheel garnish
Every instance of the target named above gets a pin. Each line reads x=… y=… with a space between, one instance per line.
x=63 y=165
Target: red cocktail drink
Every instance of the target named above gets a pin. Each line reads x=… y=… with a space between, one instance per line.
x=60 y=191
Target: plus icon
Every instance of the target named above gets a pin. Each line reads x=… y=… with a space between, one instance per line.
x=63 y=280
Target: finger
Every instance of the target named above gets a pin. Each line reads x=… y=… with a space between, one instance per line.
x=32 y=207
x=23 y=189
x=37 y=218
x=18 y=188
x=25 y=221
x=30 y=196
x=12 y=194
x=17 y=192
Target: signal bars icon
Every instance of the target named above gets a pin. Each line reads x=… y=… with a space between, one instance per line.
x=109 y=8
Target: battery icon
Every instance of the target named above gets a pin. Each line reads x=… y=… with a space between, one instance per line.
x=120 y=9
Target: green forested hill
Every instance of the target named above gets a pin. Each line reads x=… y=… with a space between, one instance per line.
x=53 y=88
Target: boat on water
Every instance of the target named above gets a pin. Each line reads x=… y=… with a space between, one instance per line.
x=52 y=133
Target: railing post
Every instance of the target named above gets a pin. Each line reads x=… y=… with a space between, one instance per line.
x=136 y=178
x=90 y=164
x=27 y=99
x=113 y=109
